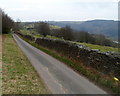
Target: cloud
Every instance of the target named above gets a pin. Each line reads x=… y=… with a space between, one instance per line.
x=28 y=10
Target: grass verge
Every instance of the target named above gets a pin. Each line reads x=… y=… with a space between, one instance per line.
x=19 y=76
x=0 y=64
x=100 y=79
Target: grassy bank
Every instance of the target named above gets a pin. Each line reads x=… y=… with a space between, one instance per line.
x=98 y=78
x=19 y=76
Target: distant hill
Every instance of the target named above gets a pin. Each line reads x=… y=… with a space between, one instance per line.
x=107 y=27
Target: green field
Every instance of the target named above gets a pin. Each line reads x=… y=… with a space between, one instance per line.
x=101 y=48
x=19 y=76
x=36 y=35
x=26 y=32
x=54 y=27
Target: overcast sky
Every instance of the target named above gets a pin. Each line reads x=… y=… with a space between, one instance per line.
x=60 y=10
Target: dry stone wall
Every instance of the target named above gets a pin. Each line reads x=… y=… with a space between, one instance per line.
x=105 y=62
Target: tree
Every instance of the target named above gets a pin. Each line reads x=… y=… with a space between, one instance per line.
x=102 y=40
x=17 y=25
x=7 y=23
x=83 y=36
x=42 y=28
x=66 y=33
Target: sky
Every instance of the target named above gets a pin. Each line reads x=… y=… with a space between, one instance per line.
x=60 y=10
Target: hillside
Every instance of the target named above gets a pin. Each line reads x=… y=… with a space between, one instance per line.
x=108 y=28
x=91 y=46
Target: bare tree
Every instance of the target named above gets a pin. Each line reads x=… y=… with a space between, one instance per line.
x=0 y=21
x=66 y=33
x=102 y=40
x=17 y=25
x=42 y=28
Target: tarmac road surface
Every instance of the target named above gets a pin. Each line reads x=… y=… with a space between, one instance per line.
x=59 y=78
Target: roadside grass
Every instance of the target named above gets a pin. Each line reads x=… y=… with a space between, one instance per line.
x=106 y=82
x=19 y=76
x=0 y=64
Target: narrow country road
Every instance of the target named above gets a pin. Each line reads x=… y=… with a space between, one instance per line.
x=59 y=78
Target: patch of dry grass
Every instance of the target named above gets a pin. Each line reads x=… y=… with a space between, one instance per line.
x=19 y=76
x=0 y=64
